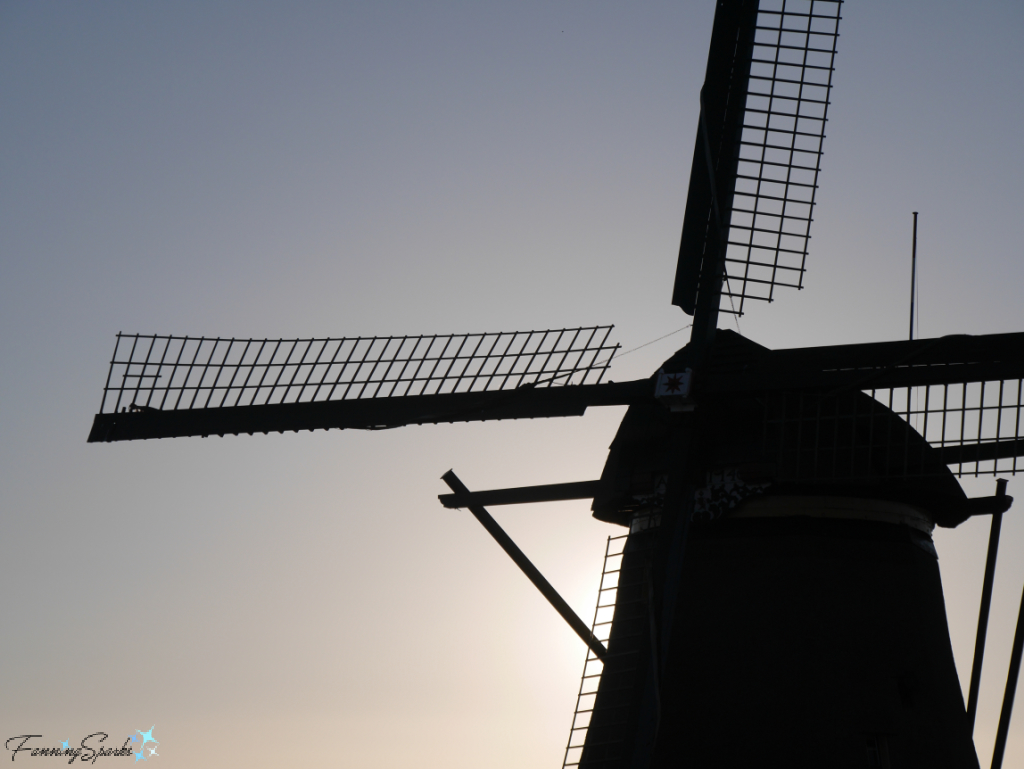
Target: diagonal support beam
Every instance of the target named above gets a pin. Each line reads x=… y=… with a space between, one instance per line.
x=983 y=609
x=527 y=567
x=1011 y=689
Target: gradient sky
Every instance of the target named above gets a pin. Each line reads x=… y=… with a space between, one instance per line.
x=260 y=169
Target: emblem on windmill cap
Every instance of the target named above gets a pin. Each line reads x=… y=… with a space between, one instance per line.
x=673 y=389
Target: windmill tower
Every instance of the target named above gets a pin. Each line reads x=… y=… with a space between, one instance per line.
x=779 y=502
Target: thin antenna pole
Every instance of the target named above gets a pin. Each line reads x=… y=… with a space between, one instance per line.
x=913 y=277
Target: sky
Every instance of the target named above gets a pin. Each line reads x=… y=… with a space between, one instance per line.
x=283 y=170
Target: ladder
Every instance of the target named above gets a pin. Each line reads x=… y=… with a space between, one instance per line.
x=592 y=667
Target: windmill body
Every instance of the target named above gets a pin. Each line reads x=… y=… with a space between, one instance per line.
x=809 y=622
x=804 y=636
x=779 y=592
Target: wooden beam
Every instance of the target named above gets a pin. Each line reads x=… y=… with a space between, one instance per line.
x=552 y=492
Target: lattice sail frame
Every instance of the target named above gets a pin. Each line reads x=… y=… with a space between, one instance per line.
x=780 y=149
x=975 y=427
x=967 y=420
x=181 y=372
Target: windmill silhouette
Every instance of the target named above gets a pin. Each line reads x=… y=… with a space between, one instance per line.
x=728 y=443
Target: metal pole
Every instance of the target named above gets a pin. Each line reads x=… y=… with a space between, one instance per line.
x=1011 y=689
x=528 y=568
x=913 y=277
x=986 y=603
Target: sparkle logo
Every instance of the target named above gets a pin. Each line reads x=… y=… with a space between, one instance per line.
x=142 y=746
x=146 y=738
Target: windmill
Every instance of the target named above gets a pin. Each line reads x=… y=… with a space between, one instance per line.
x=723 y=414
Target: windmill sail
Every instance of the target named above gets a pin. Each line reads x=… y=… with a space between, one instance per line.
x=758 y=152
x=900 y=408
x=943 y=360
x=170 y=386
